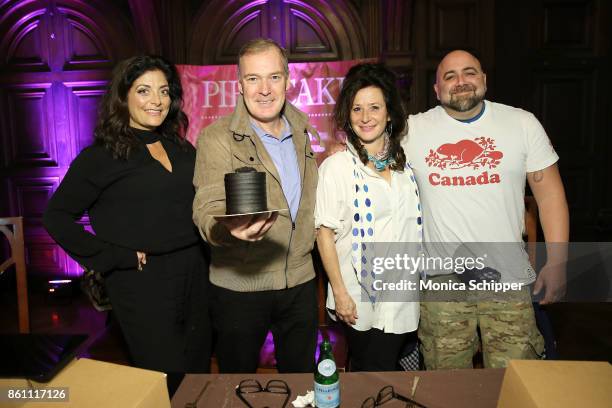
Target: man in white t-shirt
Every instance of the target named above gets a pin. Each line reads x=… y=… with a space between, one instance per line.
x=471 y=158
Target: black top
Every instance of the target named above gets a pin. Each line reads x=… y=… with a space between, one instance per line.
x=133 y=205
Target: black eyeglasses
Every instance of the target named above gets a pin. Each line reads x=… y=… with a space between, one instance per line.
x=251 y=386
x=385 y=395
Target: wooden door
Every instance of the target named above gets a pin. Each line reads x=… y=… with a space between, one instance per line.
x=56 y=59
x=553 y=59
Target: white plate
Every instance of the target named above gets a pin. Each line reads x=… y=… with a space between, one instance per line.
x=250 y=213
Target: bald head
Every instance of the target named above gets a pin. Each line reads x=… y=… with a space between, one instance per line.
x=457 y=59
x=460 y=83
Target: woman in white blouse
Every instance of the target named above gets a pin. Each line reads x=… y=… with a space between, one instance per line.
x=367 y=195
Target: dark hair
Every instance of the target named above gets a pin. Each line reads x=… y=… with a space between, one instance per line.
x=113 y=128
x=362 y=76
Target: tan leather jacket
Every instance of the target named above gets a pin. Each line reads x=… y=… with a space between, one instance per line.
x=282 y=258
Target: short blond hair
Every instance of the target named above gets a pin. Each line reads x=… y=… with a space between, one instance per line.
x=258 y=45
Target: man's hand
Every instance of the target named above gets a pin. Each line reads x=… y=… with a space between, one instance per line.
x=552 y=279
x=336 y=148
x=249 y=227
x=548 y=191
x=142 y=259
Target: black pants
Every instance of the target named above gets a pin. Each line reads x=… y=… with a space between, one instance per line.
x=374 y=350
x=242 y=320
x=163 y=311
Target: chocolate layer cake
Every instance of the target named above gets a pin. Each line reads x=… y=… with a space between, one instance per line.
x=245 y=191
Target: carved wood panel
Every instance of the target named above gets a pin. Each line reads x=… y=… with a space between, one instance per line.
x=308 y=34
x=557 y=69
x=55 y=59
x=398 y=31
x=310 y=30
x=440 y=26
x=83 y=100
x=31 y=195
x=567 y=24
x=429 y=91
x=24 y=45
x=453 y=24
x=28 y=111
x=84 y=43
x=44 y=256
x=578 y=180
x=565 y=106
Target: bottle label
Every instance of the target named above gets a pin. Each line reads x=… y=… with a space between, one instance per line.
x=327 y=396
x=327 y=367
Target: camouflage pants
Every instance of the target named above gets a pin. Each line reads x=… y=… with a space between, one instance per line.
x=449 y=336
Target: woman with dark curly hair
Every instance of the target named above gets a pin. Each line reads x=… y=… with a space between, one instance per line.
x=367 y=195
x=135 y=184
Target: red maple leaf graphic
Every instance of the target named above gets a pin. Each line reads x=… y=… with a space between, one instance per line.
x=476 y=153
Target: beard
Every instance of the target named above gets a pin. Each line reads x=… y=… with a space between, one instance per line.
x=464 y=103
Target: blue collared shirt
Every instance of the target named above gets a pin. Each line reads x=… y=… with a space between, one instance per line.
x=282 y=152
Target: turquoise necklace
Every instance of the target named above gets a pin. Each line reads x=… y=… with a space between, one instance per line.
x=382 y=159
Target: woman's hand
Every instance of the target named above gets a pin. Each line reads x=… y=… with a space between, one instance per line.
x=346 y=310
x=142 y=259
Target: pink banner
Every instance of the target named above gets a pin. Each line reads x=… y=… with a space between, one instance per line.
x=212 y=91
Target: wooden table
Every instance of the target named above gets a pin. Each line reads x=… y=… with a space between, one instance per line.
x=436 y=389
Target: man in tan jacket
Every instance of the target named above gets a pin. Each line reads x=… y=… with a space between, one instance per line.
x=261 y=268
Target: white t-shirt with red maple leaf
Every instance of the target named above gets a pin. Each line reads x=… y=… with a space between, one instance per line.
x=472 y=176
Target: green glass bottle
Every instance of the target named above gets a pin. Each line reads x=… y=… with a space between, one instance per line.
x=326 y=378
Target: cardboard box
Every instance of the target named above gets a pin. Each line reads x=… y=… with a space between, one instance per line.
x=97 y=384
x=558 y=384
